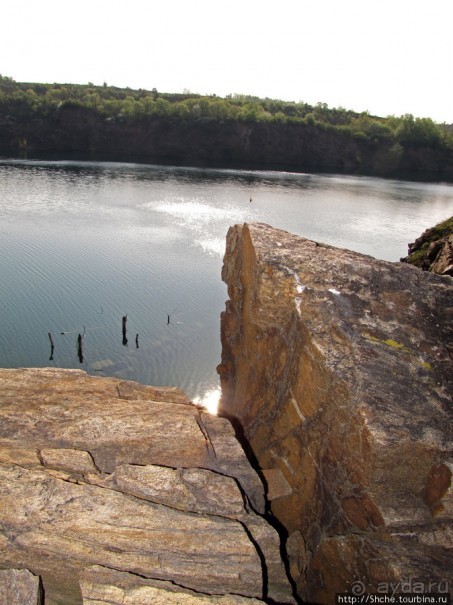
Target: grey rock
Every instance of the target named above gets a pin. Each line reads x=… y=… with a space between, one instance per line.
x=20 y=587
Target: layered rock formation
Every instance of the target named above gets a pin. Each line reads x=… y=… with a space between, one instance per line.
x=433 y=250
x=115 y=492
x=339 y=369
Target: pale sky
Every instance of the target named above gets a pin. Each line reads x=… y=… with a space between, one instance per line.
x=382 y=56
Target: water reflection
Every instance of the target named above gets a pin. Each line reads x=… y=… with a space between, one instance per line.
x=209 y=401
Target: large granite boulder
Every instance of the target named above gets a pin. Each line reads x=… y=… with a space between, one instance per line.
x=339 y=369
x=108 y=475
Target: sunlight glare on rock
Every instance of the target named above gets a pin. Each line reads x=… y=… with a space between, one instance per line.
x=210 y=400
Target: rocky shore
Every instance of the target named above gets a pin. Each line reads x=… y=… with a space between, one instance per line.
x=328 y=470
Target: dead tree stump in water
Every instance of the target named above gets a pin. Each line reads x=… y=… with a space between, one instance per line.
x=52 y=346
x=124 y=320
x=79 y=348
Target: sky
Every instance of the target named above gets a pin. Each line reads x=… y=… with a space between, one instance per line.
x=387 y=57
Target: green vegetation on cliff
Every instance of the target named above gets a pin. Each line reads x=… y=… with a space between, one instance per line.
x=433 y=250
x=105 y=120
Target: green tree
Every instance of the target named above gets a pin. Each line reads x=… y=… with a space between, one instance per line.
x=418 y=132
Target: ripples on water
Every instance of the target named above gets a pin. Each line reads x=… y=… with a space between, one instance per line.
x=82 y=244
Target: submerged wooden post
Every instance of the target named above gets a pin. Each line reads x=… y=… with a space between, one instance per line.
x=52 y=346
x=124 y=330
x=79 y=348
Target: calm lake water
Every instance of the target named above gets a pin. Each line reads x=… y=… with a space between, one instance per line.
x=83 y=244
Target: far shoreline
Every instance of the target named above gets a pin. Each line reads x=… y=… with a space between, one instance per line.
x=117 y=158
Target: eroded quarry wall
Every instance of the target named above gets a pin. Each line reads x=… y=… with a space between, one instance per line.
x=338 y=367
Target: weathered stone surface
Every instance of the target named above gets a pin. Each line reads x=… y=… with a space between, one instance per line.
x=20 y=587
x=97 y=471
x=189 y=489
x=68 y=525
x=378 y=564
x=277 y=485
x=48 y=409
x=72 y=461
x=111 y=587
x=339 y=369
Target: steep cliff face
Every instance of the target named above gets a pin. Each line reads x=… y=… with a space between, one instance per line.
x=338 y=368
x=119 y=493
x=81 y=132
x=205 y=141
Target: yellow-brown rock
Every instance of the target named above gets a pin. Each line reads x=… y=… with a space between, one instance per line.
x=339 y=369
x=111 y=587
x=101 y=472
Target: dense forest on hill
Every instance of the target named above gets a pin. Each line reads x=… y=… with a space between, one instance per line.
x=106 y=122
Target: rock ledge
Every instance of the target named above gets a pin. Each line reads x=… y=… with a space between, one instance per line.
x=118 y=493
x=339 y=369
